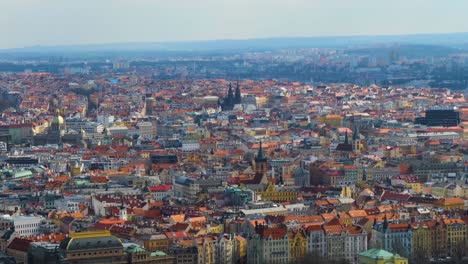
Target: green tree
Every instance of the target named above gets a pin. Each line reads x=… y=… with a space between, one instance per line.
x=420 y=257
x=460 y=251
x=399 y=248
x=315 y=258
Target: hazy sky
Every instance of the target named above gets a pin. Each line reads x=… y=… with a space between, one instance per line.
x=54 y=22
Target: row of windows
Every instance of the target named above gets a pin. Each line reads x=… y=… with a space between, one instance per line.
x=93 y=253
x=27 y=231
x=27 y=225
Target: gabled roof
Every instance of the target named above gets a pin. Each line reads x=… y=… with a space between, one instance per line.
x=177 y=235
x=395 y=197
x=334 y=229
x=275 y=233
x=344 y=147
x=357 y=213
x=178 y=218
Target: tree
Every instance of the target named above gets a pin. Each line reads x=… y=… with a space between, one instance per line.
x=377 y=244
x=460 y=251
x=249 y=156
x=420 y=257
x=399 y=248
x=315 y=258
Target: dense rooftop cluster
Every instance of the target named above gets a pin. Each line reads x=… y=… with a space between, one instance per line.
x=113 y=168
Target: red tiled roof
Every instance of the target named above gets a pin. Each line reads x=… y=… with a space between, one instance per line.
x=19 y=244
x=395 y=197
x=275 y=233
x=160 y=188
x=399 y=227
x=451 y=201
x=177 y=235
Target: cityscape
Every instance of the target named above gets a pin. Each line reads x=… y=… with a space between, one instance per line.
x=346 y=149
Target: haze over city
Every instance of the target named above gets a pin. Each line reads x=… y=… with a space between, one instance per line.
x=57 y=22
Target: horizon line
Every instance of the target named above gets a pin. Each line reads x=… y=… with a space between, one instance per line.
x=230 y=39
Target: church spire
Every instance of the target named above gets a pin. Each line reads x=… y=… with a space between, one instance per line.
x=346 y=140
x=237 y=98
x=260 y=154
x=356 y=133
x=230 y=93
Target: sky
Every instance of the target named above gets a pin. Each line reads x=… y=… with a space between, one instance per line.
x=70 y=22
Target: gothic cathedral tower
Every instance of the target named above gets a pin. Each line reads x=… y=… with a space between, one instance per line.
x=356 y=140
x=261 y=165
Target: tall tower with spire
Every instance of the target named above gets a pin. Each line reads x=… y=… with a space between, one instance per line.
x=230 y=95
x=237 y=97
x=261 y=165
x=356 y=140
x=228 y=102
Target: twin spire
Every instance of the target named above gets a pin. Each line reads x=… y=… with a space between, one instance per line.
x=260 y=155
x=355 y=135
x=231 y=98
x=235 y=98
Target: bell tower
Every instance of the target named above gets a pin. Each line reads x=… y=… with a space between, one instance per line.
x=356 y=140
x=261 y=165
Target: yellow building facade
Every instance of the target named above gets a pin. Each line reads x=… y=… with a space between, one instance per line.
x=331 y=120
x=422 y=240
x=272 y=193
x=456 y=235
x=297 y=246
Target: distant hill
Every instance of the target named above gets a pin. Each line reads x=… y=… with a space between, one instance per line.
x=453 y=40
x=406 y=50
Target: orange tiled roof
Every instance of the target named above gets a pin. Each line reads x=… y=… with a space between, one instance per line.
x=451 y=201
x=357 y=213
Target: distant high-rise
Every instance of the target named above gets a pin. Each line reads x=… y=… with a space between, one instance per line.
x=394 y=56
